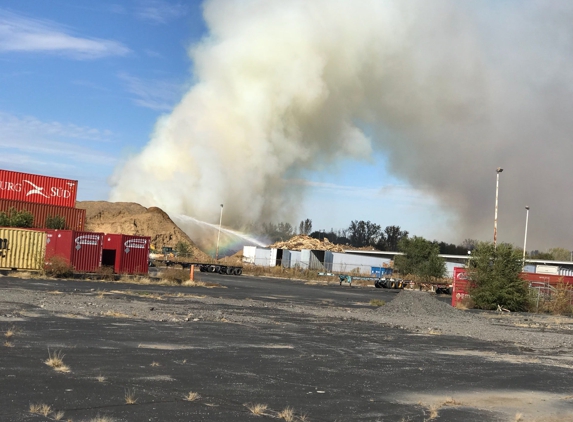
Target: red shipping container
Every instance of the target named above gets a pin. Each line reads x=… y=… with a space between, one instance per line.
x=460 y=285
x=82 y=250
x=38 y=189
x=75 y=218
x=126 y=254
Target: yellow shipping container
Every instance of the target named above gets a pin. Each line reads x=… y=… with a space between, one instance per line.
x=22 y=249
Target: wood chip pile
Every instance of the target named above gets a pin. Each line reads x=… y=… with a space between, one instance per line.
x=306 y=242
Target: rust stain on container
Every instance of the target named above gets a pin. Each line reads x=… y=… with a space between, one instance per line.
x=22 y=249
x=38 y=189
x=74 y=217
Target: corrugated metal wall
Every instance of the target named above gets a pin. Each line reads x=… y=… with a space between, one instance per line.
x=82 y=250
x=346 y=263
x=130 y=254
x=39 y=189
x=249 y=254
x=22 y=249
x=75 y=218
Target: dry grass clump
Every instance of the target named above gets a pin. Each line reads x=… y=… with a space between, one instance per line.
x=155 y=363
x=8 y=344
x=58 y=415
x=105 y=273
x=518 y=417
x=115 y=314
x=138 y=279
x=257 y=409
x=287 y=414
x=560 y=301
x=175 y=276
x=40 y=409
x=26 y=275
x=192 y=396
x=290 y=273
x=9 y=333
x=465 y=303
x=433 y=411
x=130 y=396
x=377 y=302
x=99 y=418
x=450 y=401
x=58 y=267
x=100 y=378
x=56 y=360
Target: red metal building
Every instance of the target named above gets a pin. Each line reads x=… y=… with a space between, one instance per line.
x=83 y=250
x=74 y=218
x=126 y=254
x=39 y=189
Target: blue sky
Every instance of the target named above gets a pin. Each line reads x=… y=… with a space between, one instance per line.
x=82 y=84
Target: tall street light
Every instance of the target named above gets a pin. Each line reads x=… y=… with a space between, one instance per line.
x=219 y=233
x=525 y=239
x=498 y=170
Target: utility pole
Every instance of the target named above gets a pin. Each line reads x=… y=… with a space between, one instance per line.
x=219 y=233
x=525 y=239
x=498 y=170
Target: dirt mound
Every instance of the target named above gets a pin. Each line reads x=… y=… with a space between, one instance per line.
x=306 y=242
x=134 y=219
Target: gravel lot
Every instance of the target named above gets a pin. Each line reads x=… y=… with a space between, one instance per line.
x=324 y=350
x=418 y=312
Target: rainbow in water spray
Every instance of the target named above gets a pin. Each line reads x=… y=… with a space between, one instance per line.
x=204 y=235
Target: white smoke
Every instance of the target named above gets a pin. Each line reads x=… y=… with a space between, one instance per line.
x=448 y=90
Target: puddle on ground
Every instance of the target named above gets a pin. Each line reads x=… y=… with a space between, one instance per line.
x=533 y=406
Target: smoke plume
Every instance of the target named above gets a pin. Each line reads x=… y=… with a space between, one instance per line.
x=447 y=90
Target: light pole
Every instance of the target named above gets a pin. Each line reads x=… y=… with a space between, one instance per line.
x=219 y=233
x=525 y=238
x=498 y=170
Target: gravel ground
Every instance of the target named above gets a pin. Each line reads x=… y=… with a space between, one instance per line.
x=418 y=312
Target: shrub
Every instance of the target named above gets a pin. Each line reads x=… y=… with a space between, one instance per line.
x=56 y=222
x=58 y=267
x=559 y=301
x=421 y=258
x=14 y=218
x=105 y=272
x=183 y=248
x=173 y=275
x=4 y=220
x=494 y=274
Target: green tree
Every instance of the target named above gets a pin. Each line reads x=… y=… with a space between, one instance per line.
x=22 y=219
x=420 y=258
x=183 y=248
x=4 y=220
x=391 y=237
x=56 y=222
x=363 y=233
x=494 y=276
x=560 y=254
x=305 y=227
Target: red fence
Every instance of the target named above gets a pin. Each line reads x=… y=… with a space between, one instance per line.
x=47 y=190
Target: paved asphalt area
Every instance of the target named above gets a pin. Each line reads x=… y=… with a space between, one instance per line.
x=324 y=369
